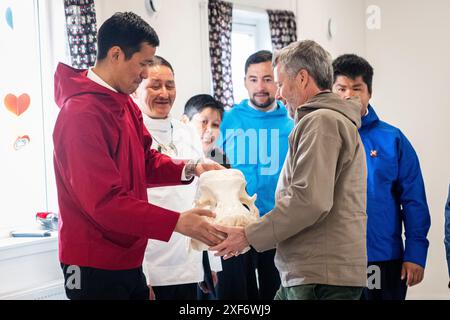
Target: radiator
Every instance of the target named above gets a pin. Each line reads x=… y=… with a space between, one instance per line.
x=53 y=291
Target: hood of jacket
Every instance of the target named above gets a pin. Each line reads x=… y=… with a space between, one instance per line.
x=351 y=108
x=70 y=82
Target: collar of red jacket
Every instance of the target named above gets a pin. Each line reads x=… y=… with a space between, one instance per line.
x=70 y=82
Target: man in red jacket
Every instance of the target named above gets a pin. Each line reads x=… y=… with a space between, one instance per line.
x=104 y=164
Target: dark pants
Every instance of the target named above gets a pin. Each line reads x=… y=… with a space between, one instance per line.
x=238 y=279
x=268 y=275
x=391 y=285
x=176 y=292
x=234 y=281
x=208 y=281
x=85 y=283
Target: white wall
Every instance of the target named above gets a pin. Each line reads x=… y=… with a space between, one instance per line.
x=412 y=73
x=348 y=17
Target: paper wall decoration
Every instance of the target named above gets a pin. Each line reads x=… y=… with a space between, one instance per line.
x=17 y=105
x=21 y=142
x=9 y=18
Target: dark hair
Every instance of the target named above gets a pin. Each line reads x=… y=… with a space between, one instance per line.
x=160 y=61
x=126 y=30
x=258 y=57
x=197 y=103
x=353 y=66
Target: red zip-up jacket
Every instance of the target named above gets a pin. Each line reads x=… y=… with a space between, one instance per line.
x=103 y=166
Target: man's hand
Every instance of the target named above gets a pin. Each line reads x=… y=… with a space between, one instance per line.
x=413 y=273
x=193 y=224
x=207 y=165
x=233 y=245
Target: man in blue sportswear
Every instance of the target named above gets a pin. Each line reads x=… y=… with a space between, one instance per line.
x=395 y=192
x=254 y=136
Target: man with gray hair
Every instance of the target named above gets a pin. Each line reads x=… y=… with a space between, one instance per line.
x=318 y=224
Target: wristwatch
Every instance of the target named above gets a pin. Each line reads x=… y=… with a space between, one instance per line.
x=190 y=168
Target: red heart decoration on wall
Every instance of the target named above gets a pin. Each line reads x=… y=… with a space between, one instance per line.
x=17 y=105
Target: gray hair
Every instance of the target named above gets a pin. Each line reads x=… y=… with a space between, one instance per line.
x=310 y=56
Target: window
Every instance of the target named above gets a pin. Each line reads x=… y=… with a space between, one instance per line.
x=27 y=112
x=250 y=33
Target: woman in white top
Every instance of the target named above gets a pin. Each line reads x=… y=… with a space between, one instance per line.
x=173 y=270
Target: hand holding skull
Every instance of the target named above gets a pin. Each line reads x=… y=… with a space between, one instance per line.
x=223 y=192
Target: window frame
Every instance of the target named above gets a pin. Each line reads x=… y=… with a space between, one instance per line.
x=255 y=23
x=49 y=40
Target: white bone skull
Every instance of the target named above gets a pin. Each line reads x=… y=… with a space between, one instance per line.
x=223 y=192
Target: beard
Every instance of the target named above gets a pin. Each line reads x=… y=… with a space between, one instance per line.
x=264 y=105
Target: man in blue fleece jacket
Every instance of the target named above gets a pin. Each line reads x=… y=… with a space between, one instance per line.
x=254 y=136
x=395 y=192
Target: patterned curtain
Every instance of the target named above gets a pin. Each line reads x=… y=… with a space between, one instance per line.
x=220 y=24
x=283 y=28
x=81 y=27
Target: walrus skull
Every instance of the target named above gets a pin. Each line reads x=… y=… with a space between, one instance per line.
x=223 y=192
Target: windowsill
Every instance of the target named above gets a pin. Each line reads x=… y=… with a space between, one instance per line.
x=11 y=242
x=12 y=247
